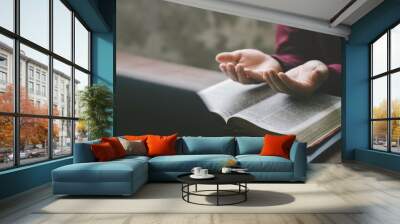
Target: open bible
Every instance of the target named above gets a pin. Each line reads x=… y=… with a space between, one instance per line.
x=257 y=110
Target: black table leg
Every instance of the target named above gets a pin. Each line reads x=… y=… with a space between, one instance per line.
x=245 y=193
x=217 y=194
x=195 y=188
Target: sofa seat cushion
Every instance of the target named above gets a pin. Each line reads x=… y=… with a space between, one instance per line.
x=185 y=163
x=257 y=163
x=112 y=171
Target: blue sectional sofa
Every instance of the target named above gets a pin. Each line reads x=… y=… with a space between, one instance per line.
x=125 y=176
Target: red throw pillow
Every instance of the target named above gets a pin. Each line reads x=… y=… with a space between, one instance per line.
x=116 y=145
x=161 y=145
x=103 y=152
x=277 y=145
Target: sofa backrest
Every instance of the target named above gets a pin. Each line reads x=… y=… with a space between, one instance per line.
x=83 y=152
x=207 y=145
x=249 y=145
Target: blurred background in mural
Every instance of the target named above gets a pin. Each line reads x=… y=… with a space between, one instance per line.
x=166 y=61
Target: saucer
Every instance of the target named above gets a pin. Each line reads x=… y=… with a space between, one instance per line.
x=208 y=176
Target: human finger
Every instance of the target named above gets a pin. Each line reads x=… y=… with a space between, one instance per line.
x=231 y=71
x=225 y=57
x=295 y=86
x=279 y=83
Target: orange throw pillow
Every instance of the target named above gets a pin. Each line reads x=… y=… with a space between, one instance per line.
x=161 y=145
x=136 y=137
x=116 y=145
x=277 y=145
x=103 y=152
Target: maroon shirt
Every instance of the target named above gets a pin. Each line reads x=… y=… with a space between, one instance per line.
x=295 y=47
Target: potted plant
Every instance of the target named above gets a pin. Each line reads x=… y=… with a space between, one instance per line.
x=96 y=102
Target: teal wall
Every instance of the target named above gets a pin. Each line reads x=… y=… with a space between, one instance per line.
x=99 y=15
x=103 y=50
x=356 y=86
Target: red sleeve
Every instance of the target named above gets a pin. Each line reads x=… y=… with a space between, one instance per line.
x=289 y=44
x=333 y=85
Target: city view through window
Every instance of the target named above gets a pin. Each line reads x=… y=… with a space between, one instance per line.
x=43 y=68
x=385 y=82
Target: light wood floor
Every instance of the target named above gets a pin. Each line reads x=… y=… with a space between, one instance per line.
x=379 y=189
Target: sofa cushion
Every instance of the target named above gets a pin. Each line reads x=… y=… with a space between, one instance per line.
x=112 y=171
x=257 y=163
x=83 y=152
x=116 y=145
x=277 y=145
x=185 y=163
x=208 y=145
x=249 y=145
x=161 y=145
x=103 y=152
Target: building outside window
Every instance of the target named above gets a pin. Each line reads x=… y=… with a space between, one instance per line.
x=57 y=129
x=3 y=72
x=385 y=91
x=30 y=87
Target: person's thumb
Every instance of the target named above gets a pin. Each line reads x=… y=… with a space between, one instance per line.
x=225 y=57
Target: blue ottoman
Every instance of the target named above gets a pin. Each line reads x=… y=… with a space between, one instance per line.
x=118 y=177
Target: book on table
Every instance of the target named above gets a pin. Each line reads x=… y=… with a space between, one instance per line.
x=257 y=109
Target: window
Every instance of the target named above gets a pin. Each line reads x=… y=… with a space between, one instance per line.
x=44 y=91
x=44 y=123
x=81 y=45
x=3 y=61
x=30 y=72
x=7 y=14
x=62 y=32
x=6 y=73
x=385 y=94
x=30 y=87
x=62 y=74
x=37 y=89
x=35 y=21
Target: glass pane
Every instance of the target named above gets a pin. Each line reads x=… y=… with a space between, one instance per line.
x=62 y=138
x=7 y=14
x=81 y=131
x=379 y=56
x=81 y=81
x=35 y=21
x=395 y=136
x=6 y=142
x=34 y=96
x=379 y=97
x=81 y=45
x=6 y=74
x=379 y=135
x=62 y=89
x=395 y=94
x=62 y=29
x=395 y=47
x=33 y=139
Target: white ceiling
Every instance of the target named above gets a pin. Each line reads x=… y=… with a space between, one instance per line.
x=319 y=9
x=314 y=15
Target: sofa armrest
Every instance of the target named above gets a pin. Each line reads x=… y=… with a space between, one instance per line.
x=83 y=152
x=299 y=158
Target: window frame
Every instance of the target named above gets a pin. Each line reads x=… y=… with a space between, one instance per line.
x=16 y=115
x=388 y=74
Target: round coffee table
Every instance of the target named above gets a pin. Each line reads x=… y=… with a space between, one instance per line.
x=238 y=179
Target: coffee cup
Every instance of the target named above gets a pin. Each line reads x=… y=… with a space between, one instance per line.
x=196 y=171
x=203 y=172
x=226 y=170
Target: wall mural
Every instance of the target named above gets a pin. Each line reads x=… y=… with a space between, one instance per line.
x=250 y=77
